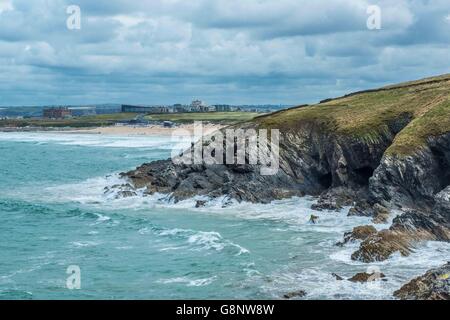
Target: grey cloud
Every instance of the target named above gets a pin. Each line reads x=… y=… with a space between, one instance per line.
x=229 y=51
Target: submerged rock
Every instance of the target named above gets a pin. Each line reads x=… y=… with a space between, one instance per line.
x=294 y=294
x=200 y=203
x=337 y=277
x=367 y=277
x=433 y=285
x=120 y=191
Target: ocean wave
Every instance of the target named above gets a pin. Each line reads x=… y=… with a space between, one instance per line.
x=195 y=240
x=92 y=140
x=188 y=281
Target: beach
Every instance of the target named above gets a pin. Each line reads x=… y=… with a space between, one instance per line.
x=128 y=130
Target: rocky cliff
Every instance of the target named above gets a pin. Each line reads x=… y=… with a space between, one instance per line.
x=375 y=150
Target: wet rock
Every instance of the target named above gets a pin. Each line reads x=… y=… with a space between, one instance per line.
x=406 y=231
x=433 y=285
x=313 y=219
x=382 y=214
x=334 y=199
x=358 y=233
x=120 y=191
x=367 y=277
x=294 y=294
x=361 y=209
x=337 y=277
x=200 y=203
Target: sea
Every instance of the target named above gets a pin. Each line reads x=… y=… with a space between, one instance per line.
x=64 y=236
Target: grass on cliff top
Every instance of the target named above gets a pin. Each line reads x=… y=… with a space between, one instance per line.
x=367 y=115
x=76 y=122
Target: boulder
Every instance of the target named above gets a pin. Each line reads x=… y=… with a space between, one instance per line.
x=367 y=277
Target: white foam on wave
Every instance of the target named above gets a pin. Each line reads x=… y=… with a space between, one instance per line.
x=196 y=240
x=93 y=140
x=188 y=281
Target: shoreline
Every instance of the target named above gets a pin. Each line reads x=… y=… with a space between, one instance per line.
x=126 y=130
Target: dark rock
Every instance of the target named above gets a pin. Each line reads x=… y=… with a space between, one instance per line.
x=119 y=191
x=295 y=294
x=358 y=233
x=200 y=203
x=335 y=199
x=338 y=277
x=382 y=214
x=413 y=180
x=433 y=285
x=367 y=277
x=312 y=161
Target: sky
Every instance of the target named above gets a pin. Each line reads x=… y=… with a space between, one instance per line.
x=221 y=51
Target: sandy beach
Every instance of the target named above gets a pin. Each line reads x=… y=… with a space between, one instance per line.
x=152 y=130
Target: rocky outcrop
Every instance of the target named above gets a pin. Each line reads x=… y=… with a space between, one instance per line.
x=406 y=231
x=413 y=181
x=312 y=161
x=433 y=285
x=360 y=233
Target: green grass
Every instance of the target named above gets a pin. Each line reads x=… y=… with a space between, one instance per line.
x=217 y=117
x=77 y=122
x=367 y=115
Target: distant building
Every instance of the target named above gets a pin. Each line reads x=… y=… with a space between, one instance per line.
x=142 y=109
x=198 y=106
x=57 y=113
x=179 y=108
x=83 y=111
x=223 y=108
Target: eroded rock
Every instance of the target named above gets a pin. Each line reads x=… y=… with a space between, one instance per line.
x=433 y=285
x=358 y=233
x=407 y=230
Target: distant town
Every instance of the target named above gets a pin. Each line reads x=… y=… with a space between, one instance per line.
x=65 y=112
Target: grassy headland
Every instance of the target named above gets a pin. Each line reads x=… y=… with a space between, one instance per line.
x=368 y=114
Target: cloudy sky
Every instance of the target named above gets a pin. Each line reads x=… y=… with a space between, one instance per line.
x=222 y=51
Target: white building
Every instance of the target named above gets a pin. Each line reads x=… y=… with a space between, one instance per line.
x=198 y=106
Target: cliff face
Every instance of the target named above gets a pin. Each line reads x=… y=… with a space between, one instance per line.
x=379 y=149
x=393 y=141
x=312 y=161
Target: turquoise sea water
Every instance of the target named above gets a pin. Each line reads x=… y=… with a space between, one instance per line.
x=54 y=213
